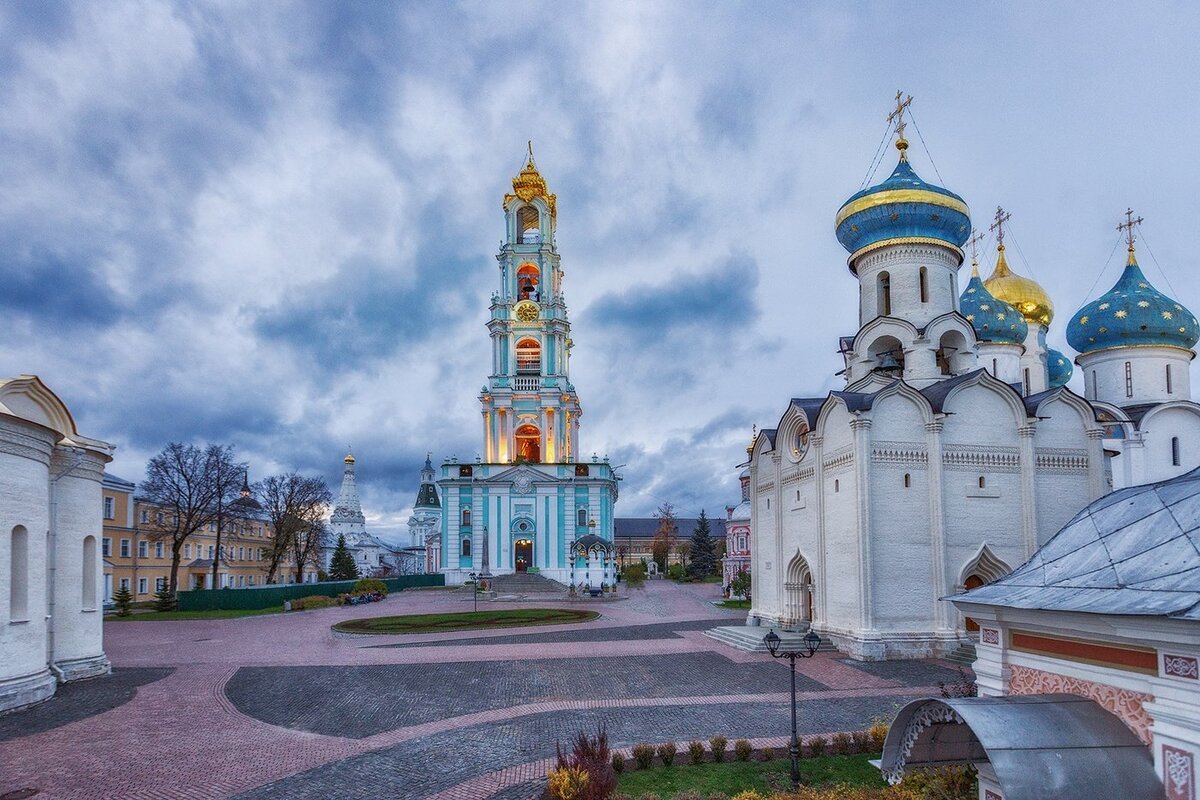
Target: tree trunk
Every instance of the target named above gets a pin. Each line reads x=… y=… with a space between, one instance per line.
x=176 y=548
x=217 y=556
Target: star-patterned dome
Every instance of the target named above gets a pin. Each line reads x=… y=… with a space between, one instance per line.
x=903 y=207
x=994 y=320
x=1132 y=313
x=1058 y=367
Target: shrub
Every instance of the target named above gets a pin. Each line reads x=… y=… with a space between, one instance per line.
x=591 y=755
x=649 y=796
x=567 y=783
x=618 y=763
x=675 y=572
x=963 y=687
x=878 y=733
x=862 y=741
x=164 y=600
x=123 y=599
x=767 y=754
x=370 y=585
x=742 y=750
x=945 y=783
x=842 y=743
x=311 y=602
x=688 y=795
x=717 y=744
x=696 y=752
x=634 y=576
x=748 y=794
x=643 y=755
x=666 y=753
x=817 y=745
x=718 y=796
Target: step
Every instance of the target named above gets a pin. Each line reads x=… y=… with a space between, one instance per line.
x=749 y=638
x=964 y=655
x=524 y=583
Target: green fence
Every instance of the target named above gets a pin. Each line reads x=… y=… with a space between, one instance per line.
x=268 y=596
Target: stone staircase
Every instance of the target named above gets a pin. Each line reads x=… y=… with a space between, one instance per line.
x=964 y=655
x=525 y=583
x=749 y=638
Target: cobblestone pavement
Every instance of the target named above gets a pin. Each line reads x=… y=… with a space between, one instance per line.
x=76 y=701
x=276 y=706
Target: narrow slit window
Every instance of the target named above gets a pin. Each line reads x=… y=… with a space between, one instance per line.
x=1175 y=451
x=982 y=482
x=1128 y=379
x=924 y=285
x=907 y=480
x=1169 y=388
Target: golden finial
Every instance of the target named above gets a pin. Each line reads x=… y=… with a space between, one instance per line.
x=349 y=459
x=753 y=437
x=1127 y=226
x=976 y=238
x=529 y=183
x=898 y=117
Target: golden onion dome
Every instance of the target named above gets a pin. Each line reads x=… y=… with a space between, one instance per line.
x=349 y=459
x=1025 y=294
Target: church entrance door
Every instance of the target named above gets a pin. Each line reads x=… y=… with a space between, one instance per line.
x=523 y=554
x=973 y=582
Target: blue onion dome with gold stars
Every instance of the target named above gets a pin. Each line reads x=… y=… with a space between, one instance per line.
x=1132 y=313
x=1058 y=367
x=994 y=320
x=902 y=208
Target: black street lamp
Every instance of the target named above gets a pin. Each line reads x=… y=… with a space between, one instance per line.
x=475 y=576
x=811 y=642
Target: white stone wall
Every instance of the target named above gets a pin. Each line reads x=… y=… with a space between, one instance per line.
x=1157 y=429
x=1104 y=375
x=903 y=264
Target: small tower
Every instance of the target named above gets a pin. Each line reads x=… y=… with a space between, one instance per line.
x=1000 y=330
x=1135 y=343
x=347 y=517
x=530 y=409
x=1029 y=298
x=427 y=511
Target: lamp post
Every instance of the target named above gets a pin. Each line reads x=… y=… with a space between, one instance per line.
x=474 y=576
x=811 y=642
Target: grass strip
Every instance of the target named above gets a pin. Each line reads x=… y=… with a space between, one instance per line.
x=732 y=777
x=466 y=621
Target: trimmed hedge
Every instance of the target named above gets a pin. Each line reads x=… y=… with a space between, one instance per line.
x=272 y=595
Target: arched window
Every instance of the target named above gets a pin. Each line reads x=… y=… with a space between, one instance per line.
x=837 y=485
x=18 y=575
x=1169 y=389
x=581 y=517
x=90 y=568
x=528 y=221
x=995 y=369
x=529 y=444
x=884 y=294
x=907 y=481
x=1128 y=379
x=924 y=285
x=950 y=346
x=466 y=517
x=529 y=279
x=982 y=482
x=466 y=548
x=1175 y=451
x=529 y=356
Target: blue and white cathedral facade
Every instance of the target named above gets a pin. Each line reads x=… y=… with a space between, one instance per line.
x=529 y=502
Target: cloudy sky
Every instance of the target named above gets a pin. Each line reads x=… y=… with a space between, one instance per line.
x=273 y=225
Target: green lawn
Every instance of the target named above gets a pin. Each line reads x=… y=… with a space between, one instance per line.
x=734 y=604
x=220 y=613
x=466 y=621
x=732 y=777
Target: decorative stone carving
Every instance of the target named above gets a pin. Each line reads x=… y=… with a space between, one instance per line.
x=928 y=715
x=1179 y=773
x=1126 y=704
x=1181 y=666
x=989 y=636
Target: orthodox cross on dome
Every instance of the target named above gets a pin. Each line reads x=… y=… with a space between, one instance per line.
x=1002 y=217
x=1127 y=227
x=897 y=116
x=976 y=237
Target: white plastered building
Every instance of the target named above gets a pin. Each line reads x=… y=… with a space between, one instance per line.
x=51 y=570
x=947 y=459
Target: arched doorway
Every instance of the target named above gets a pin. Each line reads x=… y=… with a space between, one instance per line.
x=984 y=568
x=798 y=592
x=972 y=582
x=523 y=554
x=529 y=444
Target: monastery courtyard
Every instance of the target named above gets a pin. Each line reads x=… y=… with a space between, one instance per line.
x=281 y=706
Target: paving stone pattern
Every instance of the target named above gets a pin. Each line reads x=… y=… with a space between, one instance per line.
x=420 y=768
x=357 y=702
x=624 y=633
x=76 y=701
x=913 y=673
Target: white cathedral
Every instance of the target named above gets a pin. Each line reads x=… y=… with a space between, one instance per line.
x=955 y=449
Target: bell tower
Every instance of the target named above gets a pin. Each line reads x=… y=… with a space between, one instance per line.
x=529 y=407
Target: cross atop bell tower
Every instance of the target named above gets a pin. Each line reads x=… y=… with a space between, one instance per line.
x=897 y=116
x=1127 y=226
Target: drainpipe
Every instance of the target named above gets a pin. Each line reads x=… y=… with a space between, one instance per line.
x=51 y=549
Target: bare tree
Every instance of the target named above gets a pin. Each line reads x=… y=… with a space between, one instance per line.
x=181 y=480
x=225 y=474
x=296 y=506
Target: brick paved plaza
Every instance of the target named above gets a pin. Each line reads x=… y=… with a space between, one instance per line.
x=281 y=707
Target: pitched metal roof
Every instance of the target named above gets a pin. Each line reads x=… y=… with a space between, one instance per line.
x=1054 y=745
x=1135 y=551
x=646 y=527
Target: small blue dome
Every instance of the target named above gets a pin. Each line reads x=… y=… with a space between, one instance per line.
x=1059 y=368
x=994 y=320
x=1132 y=313
x=902 y=207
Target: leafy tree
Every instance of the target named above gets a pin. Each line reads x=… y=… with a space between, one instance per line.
x=185 y=481
x=740 y=585
x=703 y=550
x=664 y=535
x=123 y=598
x=341 y=565
x=296 y=506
